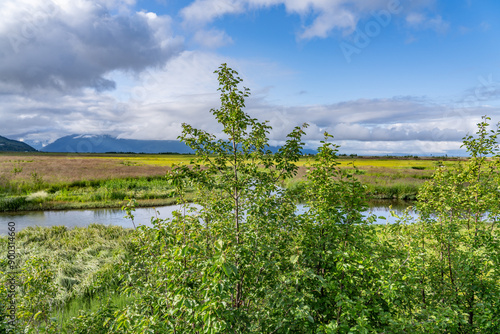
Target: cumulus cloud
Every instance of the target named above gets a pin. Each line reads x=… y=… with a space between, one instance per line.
x=324 y=16
x=383 y=120
x=73 y=44
x=154 y=103
x=150 y=105
x=414 y=147
x=369 y=126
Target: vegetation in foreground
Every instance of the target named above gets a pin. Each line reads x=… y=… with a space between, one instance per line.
x=247 y=263
x=62 y=271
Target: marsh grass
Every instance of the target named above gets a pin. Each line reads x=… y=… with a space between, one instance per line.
x=68 y=168
x=84 y=181
x=92 y=193
x=380 y=182
x=74 y=181
x=84 y=260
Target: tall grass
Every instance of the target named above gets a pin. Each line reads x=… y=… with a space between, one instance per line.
x=105 y=180
x=98 y=193
x=402 y=191
x=84 y=260
x=85 y=263
x=380 y=183
x=79 y=307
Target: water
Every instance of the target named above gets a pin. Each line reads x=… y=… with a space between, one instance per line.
x=82 y=218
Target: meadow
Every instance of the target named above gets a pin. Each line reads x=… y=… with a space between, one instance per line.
x=68 y=181
x=48 y=181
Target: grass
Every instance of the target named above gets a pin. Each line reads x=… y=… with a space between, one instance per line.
x=396 y=178
x=19 y=169
x=84 y=264
x=52 y=181
x=77 y=181
x=78 y=256
x=91 y=193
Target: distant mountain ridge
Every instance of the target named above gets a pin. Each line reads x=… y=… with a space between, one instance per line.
x=14 y=145
x=105 y=143
x=78 y=143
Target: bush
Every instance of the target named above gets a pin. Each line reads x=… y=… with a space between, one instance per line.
x=14 y=203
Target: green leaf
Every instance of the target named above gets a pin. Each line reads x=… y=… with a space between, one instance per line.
x=227 y=269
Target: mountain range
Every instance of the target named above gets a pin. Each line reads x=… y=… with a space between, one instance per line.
x=14 y=145
x=78 y=143
x=105 y=143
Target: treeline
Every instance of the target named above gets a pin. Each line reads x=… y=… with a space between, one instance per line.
x=247 y=262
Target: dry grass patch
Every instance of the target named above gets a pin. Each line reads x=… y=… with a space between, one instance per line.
x=70 y=168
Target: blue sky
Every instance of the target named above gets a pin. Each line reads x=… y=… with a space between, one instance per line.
x=382 y=76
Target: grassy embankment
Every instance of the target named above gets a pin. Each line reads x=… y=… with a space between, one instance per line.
x=77 y=268
x=72 y=181
x=40 y=181
x=386 y=178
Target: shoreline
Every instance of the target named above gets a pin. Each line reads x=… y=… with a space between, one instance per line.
x=141 y=203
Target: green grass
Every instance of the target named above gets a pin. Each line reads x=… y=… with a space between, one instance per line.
x=402 y=191
x=84 y=264
x=92 y=193
x=84 y=260
x=40 y=189
x=166 y=160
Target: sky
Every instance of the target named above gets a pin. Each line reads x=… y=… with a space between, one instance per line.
x=382 y=76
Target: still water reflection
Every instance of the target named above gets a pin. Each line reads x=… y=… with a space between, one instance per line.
x=82 y=218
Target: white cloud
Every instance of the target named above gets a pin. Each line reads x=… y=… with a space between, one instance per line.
x=327 y=15
x=387 y=120
x=204 y=11
x=83 y=48
x=415 y=19
x=485 y=26
x=328 y=20
x=212 y=38
x=68 y=45
x=413 y=147
x=154 y=104
x=186 y=89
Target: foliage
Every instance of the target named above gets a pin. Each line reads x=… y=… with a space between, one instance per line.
x=460 y=208
x=244 y=260
x=338 y=255
x=219 y=270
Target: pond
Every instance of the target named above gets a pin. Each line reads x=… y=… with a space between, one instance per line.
x=82 y=218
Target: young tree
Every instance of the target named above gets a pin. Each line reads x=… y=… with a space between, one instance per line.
x=457 y=241
x=338 y=250
x=220 y=268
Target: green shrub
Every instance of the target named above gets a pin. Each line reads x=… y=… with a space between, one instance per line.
x=14 y=203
